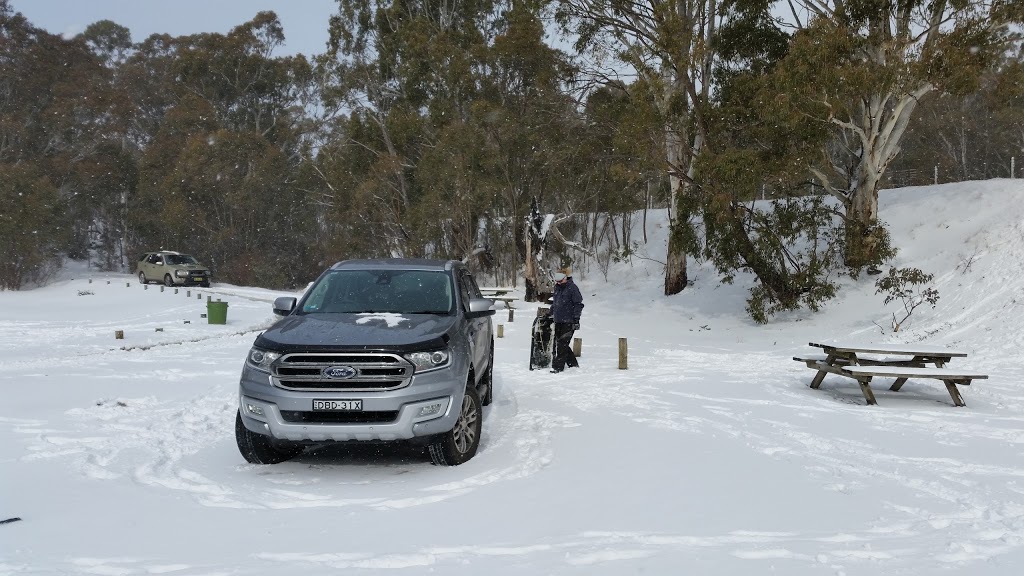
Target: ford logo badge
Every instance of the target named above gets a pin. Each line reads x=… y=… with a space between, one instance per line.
x=339 y=372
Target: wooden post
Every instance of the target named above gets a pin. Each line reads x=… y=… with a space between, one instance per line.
x=90 y=280
x=118 y=334
x=210 y=299
x=511 y=313
x=145 y=286
x=161 y=287
x=159 y=329
x=127 y=284
x=199 y=296
x=577 y=347
x=622 y=354
x=188 y=293
x=175 y=290
x=501 y=330
x=108 y=281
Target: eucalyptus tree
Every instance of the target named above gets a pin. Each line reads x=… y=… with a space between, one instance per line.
x=402 y=70
x=669 y=44
x=33 y=226
x=224 y=142
x=862 y=67
x=56 y=116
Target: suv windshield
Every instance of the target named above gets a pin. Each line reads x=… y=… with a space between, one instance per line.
x=378 y=291
x=178 y=259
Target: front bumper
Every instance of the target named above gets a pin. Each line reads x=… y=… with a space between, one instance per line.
x=190 y=280
x=442 y=386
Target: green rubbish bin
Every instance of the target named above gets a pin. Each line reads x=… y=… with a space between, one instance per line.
x=217 y=312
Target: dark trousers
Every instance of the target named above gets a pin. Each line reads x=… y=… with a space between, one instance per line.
x=563 y=347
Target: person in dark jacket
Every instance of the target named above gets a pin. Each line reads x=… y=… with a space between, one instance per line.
x=566 y=308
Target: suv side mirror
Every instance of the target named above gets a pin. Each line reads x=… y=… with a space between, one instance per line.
x=480 y=307
x=284 y=305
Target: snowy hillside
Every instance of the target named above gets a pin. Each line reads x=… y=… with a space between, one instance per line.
x=709 y=455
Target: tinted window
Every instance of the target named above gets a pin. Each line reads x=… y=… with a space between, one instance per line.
x=179 y=259
x=380 y=291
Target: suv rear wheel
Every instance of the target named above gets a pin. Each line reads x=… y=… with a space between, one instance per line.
x=459 y=444
x=142 y=278
x=260 y=449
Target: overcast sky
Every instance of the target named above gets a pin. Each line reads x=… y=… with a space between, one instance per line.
x=304 y=21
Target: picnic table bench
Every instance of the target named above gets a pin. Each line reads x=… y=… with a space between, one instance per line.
x=492 y=291
x=899 y=361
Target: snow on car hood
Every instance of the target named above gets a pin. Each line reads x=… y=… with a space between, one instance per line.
x=367 y=331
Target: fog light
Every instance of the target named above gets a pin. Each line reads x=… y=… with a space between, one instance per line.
x=254 y=409
x=430 y=410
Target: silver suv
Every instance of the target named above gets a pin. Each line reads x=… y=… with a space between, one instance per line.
x=173 y=269
x=374 y=351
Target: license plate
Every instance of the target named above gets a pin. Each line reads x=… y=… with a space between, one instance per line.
x=337 y=405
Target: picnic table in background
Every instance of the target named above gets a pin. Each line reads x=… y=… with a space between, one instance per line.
x=499 y=294
x=899 y=361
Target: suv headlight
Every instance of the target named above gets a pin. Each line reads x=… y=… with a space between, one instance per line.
x=181 y=273
x=433 y=360
x=261 y=359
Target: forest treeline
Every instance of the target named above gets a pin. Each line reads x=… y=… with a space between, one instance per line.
x=441 y=129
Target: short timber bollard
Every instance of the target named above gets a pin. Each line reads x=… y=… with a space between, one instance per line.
x=145 y=286
x=161 y=287
x=90 y=280
x=118 y=334
x=108 y=281
x=209 y=299
x=622 y=354
x=159 y=329
x=127 y=284
x=511 y=314
x=501 y=330
x=175 y=290
x=199 y=296
x=577 y=347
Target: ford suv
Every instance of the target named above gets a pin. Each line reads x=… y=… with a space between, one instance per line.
x=374 y=351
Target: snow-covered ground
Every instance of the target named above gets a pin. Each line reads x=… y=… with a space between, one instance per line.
x=709 y=455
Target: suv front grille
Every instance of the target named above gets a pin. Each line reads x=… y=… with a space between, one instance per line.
x=372 y=371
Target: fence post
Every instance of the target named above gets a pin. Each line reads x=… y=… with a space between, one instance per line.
x=511 y=314
x=936 y=174
x=623 y=365
x=1013 y=166
x=119 y=334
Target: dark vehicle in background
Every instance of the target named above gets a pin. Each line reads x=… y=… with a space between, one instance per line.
x=375 y=351
x=173 y=269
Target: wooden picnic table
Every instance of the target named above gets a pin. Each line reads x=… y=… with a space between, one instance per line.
x=495 y=291
x=899 y=361
x=508 y=300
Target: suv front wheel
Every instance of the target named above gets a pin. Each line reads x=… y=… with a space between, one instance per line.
x=168 y=281
x=459 y=444
x=260 y=449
